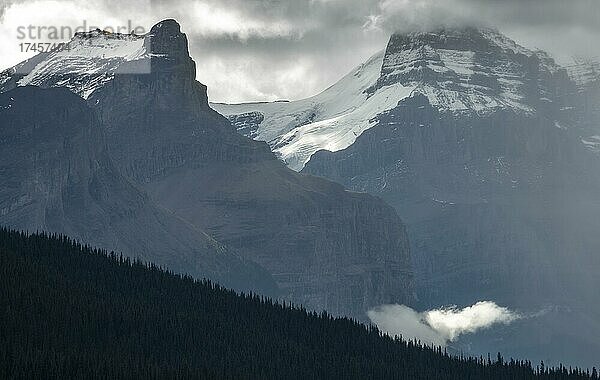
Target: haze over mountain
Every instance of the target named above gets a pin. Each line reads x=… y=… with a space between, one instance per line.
x=57 y=177
x=488 y=151
x=326 y=247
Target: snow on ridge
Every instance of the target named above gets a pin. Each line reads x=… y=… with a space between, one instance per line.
x=503 y=42
x=331 y=120
x=86 y=62
x=103 y=45
x=338 y=132
x=451 y=68
x=338 y=99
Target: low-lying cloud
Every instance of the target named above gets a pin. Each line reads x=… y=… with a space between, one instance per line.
x=440 y=326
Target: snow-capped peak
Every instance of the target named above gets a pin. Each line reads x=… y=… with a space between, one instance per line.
x=91 y=59
x=86 y=62
x=472 y=70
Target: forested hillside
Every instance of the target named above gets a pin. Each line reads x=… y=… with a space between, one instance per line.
x=70 y=311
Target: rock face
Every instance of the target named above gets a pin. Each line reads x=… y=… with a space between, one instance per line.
x=57 y=177
x=470 y=189
x=326 y=247
x=586 y=113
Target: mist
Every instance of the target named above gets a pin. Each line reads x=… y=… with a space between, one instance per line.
x=440 y=326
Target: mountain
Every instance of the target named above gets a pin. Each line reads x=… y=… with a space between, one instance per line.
x=326 y=247
x=73 y=312
x=488 y=160
x=57 y=177
x=487 y=73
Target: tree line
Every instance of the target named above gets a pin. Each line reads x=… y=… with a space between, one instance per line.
x=70 y=311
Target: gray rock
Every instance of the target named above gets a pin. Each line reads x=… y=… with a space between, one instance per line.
x=57 y=177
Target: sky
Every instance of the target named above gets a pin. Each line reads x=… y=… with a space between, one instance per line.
x=264 y=50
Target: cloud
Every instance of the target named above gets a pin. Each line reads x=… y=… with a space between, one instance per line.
x=440 y=326
x=255 y=49
x=564 y=28
x=408 y=15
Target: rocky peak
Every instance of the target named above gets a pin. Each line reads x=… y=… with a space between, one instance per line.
x=168 y=27
x=169 y=87
x=168 y=46
x=327 y=248
x=473 y=70
x=462 y=39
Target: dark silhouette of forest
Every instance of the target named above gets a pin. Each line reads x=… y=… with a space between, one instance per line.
x=70 y=311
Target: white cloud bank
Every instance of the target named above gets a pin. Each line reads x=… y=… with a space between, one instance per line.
x=440 y=326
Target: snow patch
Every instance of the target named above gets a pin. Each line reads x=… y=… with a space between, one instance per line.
x=338 y=132
x=584 y=71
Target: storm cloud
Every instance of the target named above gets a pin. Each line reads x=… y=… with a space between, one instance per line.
x=289 y=49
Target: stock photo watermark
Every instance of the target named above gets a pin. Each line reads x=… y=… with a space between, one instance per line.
x=91 y=48
x=48 y=38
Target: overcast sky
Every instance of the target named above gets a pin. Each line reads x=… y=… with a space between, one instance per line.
x=249 y=50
